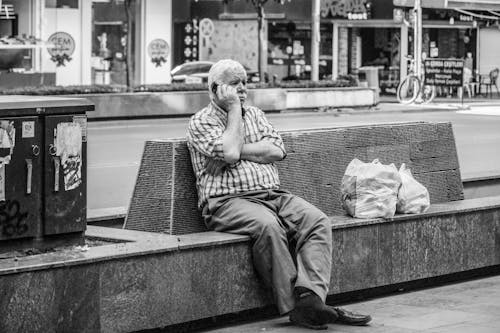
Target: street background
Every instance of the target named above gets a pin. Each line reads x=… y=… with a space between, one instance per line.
x=115 y=147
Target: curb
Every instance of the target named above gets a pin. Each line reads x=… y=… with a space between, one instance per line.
x=374 y=110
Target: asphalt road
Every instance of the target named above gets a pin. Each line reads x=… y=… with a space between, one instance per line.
x=115 y=147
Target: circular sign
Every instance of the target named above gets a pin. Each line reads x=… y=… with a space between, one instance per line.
x=61 y=43
x=206 y=27
x=61 y=47
x=158 y=50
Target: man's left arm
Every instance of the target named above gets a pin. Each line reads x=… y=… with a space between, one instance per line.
x=268 y=150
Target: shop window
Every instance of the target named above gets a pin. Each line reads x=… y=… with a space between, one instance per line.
x=15 y=51
x=18 y=48
x=109 y=42
x=289 y=49
x=61 y=4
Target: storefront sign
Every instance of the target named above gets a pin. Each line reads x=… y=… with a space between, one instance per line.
x=190 y=38
x=206 y=27
x=444 y=72
x=350 y=9
x=62 y=47
x=158 y=51
x=466 y=18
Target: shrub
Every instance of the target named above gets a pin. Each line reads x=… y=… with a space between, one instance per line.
x=343 y=81
x=64 y=90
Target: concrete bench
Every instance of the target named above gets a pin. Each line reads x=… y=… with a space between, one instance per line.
x=150 y=280
x=164 y=198
x=453 y=236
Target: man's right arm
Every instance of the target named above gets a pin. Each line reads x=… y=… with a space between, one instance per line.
x=220 y=144
x=233 y=136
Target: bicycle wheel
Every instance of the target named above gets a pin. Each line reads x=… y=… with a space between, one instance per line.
x=428 y=93
x=408 y=89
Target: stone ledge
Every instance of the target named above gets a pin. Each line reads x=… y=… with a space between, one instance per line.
x=435 y=210
x=156 y=280
x=138 y=243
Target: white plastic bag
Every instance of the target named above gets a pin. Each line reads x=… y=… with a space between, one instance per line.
x=370 y=190
x=413 y=197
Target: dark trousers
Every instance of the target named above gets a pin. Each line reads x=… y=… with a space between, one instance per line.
x=292 y=239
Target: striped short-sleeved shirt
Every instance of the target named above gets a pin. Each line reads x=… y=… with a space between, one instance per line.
x=205 y=141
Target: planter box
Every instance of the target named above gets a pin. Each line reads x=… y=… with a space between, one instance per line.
x=307 y=98
x=174 y=103
x=185 y=103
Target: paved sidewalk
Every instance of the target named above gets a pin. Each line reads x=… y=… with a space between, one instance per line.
x=466 y=307
x=390 y=104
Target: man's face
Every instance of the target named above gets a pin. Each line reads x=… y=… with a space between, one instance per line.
x=237 y=78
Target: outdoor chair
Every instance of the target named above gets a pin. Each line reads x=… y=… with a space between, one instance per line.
x=489 y=81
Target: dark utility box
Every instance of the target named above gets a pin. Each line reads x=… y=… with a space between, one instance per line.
x=43 y=171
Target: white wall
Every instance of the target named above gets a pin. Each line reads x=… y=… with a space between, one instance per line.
x=67 y=20
x=489 y=49
x=25 y=20
x=86 y=41
x=156 y=24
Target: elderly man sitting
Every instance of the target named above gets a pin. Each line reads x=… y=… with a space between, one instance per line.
x=233 y=148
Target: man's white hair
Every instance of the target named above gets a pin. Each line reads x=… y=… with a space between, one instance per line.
x=222 y=67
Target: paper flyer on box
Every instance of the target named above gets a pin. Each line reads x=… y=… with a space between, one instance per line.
x=69 y=148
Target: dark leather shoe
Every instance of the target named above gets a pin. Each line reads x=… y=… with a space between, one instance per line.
x=311 y=312
x=351 y=318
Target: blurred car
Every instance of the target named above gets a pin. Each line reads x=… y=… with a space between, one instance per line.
x=191 y=72
x=197 y=72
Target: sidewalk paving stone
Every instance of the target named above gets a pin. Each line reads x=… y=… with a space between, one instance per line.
x=466 y=307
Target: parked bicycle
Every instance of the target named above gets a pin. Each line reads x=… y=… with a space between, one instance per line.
x=412 y=88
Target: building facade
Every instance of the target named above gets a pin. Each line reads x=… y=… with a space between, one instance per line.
x=80 y=42
x=354 y=34
x=74 y=42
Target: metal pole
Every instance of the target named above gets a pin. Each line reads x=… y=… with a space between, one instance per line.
x=315 y=39
x=335 y=51
x=403 y=65
x=418 y=37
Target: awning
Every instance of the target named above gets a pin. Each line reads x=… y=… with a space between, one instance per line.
x=452 y=4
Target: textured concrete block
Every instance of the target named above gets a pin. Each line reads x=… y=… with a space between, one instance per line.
x=443 y=186
x=358 y=258
x=480 y=241
x=397 y=154
x=443 y=245
x=441 y=163
x=497 y=235
x=165 y=196
x=155 y=291
x=429 y=149
x=57 y=300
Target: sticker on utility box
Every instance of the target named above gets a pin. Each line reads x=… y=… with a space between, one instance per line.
x=28 y=129
x=69 y=148
x=7 y=134
x=82 y=121
x=7 y=140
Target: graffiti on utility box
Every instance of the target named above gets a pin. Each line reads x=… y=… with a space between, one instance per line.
x=12 y=220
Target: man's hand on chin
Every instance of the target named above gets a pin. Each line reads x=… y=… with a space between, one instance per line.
x=215 y=167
